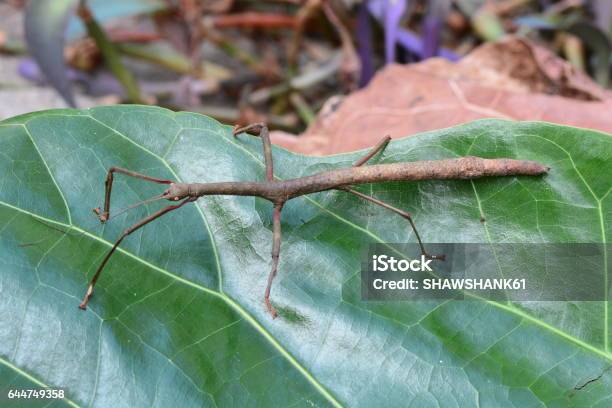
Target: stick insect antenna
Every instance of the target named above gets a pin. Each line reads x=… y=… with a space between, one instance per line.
x=126 y=209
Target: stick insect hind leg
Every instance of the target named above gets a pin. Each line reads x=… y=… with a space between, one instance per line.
x=261 y=130
x=379 y=148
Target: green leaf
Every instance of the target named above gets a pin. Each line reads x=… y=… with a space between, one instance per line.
x=178 y=317
x=48 y=23
x=44 y=24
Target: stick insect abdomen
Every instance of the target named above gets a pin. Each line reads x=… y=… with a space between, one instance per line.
x=459 y=168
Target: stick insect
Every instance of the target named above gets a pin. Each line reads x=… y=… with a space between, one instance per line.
x=278 y=192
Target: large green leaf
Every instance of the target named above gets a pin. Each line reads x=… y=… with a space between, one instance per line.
x=178 y=318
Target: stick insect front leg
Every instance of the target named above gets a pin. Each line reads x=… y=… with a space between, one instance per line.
x=261 y=130
x=104 y=214
x=379 y=148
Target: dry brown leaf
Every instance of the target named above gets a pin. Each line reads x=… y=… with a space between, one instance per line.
x=510 y=79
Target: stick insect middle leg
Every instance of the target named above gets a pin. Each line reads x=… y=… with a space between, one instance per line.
x=380 y=147
x=261 y=130
x=276 y=242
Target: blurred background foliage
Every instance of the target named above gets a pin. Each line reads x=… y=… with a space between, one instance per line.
x=276 y=60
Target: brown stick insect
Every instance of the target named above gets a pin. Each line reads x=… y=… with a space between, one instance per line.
x=278 y=192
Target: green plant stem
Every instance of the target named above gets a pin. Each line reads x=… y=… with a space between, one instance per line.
x=177 y=64
x=110 y=54
x=303 y=109
x=240 y=54
x=13 y=48
x=171 y=61
x=299 y=83
x=574 y=51
x=487 y=25
x=231 y=115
